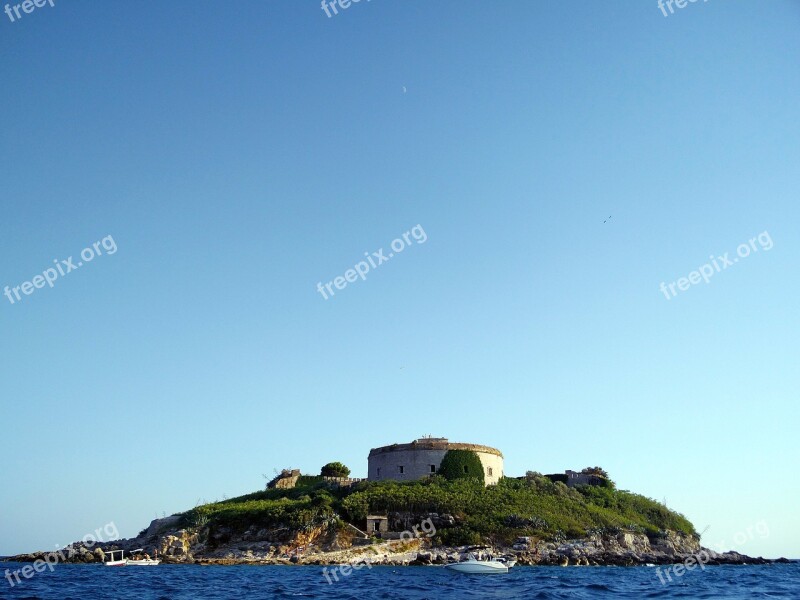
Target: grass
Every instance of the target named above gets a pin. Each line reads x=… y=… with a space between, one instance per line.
x=533 y=506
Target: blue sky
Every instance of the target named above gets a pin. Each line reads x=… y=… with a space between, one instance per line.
x=238 y=154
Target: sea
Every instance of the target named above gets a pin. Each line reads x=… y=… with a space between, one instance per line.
x=193 y=582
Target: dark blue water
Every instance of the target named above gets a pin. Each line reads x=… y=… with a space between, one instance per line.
x=170 y=582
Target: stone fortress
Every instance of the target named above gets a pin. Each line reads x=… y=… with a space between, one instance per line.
x=422 y=458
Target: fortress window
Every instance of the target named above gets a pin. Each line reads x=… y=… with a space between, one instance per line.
x=433 y=468
x=489 y=471
x=379 y=471
x=401 y=469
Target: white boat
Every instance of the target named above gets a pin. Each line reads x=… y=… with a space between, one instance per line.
x=130 y=562
x=143 y=562
x=115 y=563
x=473 y=565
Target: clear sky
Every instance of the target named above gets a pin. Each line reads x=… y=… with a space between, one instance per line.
x=240 y=153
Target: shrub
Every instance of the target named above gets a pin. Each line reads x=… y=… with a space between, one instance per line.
x=461 y=464
x=554 y=477
x=598 y=471
x=458 y=536
x=335 y=469
x=531 y=506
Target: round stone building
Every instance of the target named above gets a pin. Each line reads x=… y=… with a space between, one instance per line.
x=421 y=458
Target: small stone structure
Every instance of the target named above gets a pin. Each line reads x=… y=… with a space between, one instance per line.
x=575 y=478
x=286 y=479
x=377 y=525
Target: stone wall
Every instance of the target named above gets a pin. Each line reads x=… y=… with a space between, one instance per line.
x=422 y=458
x=285 y=480
x=574 y=478
x=342 y=481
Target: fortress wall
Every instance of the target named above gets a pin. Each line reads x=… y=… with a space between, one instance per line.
x=495 y=463
x=416 y=460
x=416 y=464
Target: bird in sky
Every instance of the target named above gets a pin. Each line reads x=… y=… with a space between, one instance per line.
x=609 y=217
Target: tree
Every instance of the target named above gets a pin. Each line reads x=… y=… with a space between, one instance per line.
x=598 y=471
x=335 y=469
x=601 y=477
x=461 y=464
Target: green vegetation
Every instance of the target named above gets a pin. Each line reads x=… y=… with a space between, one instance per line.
x=532 y=506
x=599 y=471
x=311 y=503
x=335 y=469
x=461 y=464
x=556 y=477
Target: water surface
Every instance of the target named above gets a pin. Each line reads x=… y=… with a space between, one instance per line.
x=192 y=582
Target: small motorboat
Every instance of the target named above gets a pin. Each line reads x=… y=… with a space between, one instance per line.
x=130 y=562
x=475 y=565
x=120 y=562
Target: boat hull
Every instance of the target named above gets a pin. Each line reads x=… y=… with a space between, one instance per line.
x=478 y=567
x=115 y=563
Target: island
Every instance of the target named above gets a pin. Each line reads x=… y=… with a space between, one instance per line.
x=430 y=501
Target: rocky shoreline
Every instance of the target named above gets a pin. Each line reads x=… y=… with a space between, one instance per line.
x=199 y=546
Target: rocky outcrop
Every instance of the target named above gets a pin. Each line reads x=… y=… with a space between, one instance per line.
x=626 y=549
x=158 y=526
x=325 y=546
x=181 y=544
x=76 y=553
